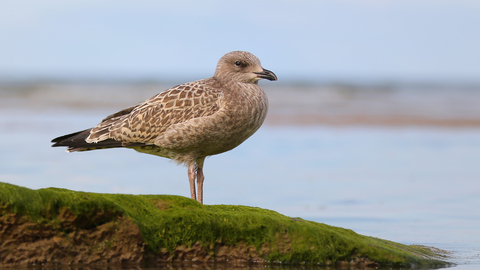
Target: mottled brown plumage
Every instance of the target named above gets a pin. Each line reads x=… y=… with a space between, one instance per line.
x=188 y=122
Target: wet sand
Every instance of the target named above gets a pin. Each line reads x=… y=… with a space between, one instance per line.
x=379 y=106
x=368 y=120
x=289 y=105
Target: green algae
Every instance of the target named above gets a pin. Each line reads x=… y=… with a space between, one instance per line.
x=167 y=222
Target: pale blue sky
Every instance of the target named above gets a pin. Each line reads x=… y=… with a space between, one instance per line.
x=318 y=40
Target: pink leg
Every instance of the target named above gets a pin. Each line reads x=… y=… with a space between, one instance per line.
x=191 y=179
x=200 y=178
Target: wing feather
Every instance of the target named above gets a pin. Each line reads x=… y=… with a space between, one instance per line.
x=147 y=121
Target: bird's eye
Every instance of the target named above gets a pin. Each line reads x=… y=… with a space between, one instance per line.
x=238 y=63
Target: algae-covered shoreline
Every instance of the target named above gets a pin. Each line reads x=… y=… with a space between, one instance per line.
x=58 y=226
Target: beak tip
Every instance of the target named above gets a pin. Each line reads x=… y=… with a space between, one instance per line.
x=267 y=74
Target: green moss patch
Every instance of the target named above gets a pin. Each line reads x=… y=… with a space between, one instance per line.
x=178 y=228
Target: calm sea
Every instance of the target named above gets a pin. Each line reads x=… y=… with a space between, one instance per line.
x=409 y=183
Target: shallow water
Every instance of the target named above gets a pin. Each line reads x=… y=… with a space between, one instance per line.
x=409 y=184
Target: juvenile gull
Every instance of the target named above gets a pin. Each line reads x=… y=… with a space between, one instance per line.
x=190 y=121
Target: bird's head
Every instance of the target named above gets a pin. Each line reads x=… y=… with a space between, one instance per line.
x=242 y=67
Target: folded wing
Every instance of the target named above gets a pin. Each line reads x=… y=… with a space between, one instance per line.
x=145 y=122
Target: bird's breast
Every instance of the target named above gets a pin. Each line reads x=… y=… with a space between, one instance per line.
x=246 y=112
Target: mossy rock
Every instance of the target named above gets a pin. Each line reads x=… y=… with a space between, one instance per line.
x=59 y=226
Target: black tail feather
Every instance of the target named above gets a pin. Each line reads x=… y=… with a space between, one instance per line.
x=76 y=142
x=58 y=141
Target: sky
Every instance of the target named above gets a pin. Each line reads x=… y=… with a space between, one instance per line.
x=353 y=40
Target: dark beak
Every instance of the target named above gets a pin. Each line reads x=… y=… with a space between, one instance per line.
x=266 y=74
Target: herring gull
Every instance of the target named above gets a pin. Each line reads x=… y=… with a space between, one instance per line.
x=190 y=121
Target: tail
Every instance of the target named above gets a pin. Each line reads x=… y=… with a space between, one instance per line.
x=76 y=142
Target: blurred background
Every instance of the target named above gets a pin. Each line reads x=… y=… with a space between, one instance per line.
x=374 y=123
